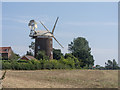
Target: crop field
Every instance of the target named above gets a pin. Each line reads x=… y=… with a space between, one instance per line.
x=61 y=79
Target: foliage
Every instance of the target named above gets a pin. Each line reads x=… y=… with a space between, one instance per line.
x=76 y=61
x=22 y=61
x=97 y=66
x=31 y=49
x=6 y=65
x=57 y=54
x=86 y=67
x=111 y=64
x=14 y=56
x=0 y=58
x=69 y=63
x=81 y=50
x=63 y=63
x=42 y=55
x=29 y=53
x=32 y=46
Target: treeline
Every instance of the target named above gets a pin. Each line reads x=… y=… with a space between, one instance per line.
x=79 y=58
x=68 y=63
x=63 y=63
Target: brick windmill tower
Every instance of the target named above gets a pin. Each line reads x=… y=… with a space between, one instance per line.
x=43 y=38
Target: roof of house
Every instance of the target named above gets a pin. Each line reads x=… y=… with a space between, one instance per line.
x=4 y=49
x=28 y=57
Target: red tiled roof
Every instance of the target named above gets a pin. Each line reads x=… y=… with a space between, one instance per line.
x=2 y=49
x=30 y=57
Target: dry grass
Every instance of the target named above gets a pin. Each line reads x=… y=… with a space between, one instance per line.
x=61 y=79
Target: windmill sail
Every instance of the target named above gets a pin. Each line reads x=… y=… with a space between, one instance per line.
x=55 y=25
x=53 y=31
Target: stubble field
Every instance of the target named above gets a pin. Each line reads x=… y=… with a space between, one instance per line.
x=61 y=79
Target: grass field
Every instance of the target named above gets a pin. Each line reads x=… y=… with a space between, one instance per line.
x=61 y=79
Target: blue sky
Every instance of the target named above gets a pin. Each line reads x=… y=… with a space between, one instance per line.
x=96 y=21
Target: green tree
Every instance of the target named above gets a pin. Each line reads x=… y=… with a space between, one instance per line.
x=76 y=61
x=14 y=56
x=31 y=49
x=111 y=64
x=29 y=53
x=32 y=46
x=57 y=54
x=42 y=55
x=81 y=50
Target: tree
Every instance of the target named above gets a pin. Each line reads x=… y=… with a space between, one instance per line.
x=111 y=64
x=115 y=65
x=42 y=55
x=57 y=54
x=32 y=46
x=29 y=53
x=76 y=61
x=31 y=49
x=14 y=56
x=81 y=50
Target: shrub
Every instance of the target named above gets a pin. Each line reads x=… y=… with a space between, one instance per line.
x=57 y=54
x=42 y=55
x=14 y=65
x=6 y=65
x=48 y=65
x=86 y=67
x=68 y=63
x=71 y=57
x=22 y=61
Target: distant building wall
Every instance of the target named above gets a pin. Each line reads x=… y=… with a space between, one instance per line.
x=44 y=44
x=5 y=56
x=6 y=52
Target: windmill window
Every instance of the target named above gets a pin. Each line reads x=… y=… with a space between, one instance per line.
x=38 y=47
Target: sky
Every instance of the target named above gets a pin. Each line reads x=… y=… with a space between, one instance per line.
x=95 y=21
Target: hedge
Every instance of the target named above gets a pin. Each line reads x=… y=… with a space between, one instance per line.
x=68 y=63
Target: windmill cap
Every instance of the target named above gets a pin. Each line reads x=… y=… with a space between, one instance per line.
x=43 y=33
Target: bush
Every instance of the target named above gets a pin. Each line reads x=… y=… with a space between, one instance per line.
x=68 y=63
x=14 y=65
x=57 y=54
x=22 y=61
x=42 y=55
x=6 y=65
x=76 y=61
x=86 y=67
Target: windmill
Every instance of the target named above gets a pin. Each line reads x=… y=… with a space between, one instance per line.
x=43 y=38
